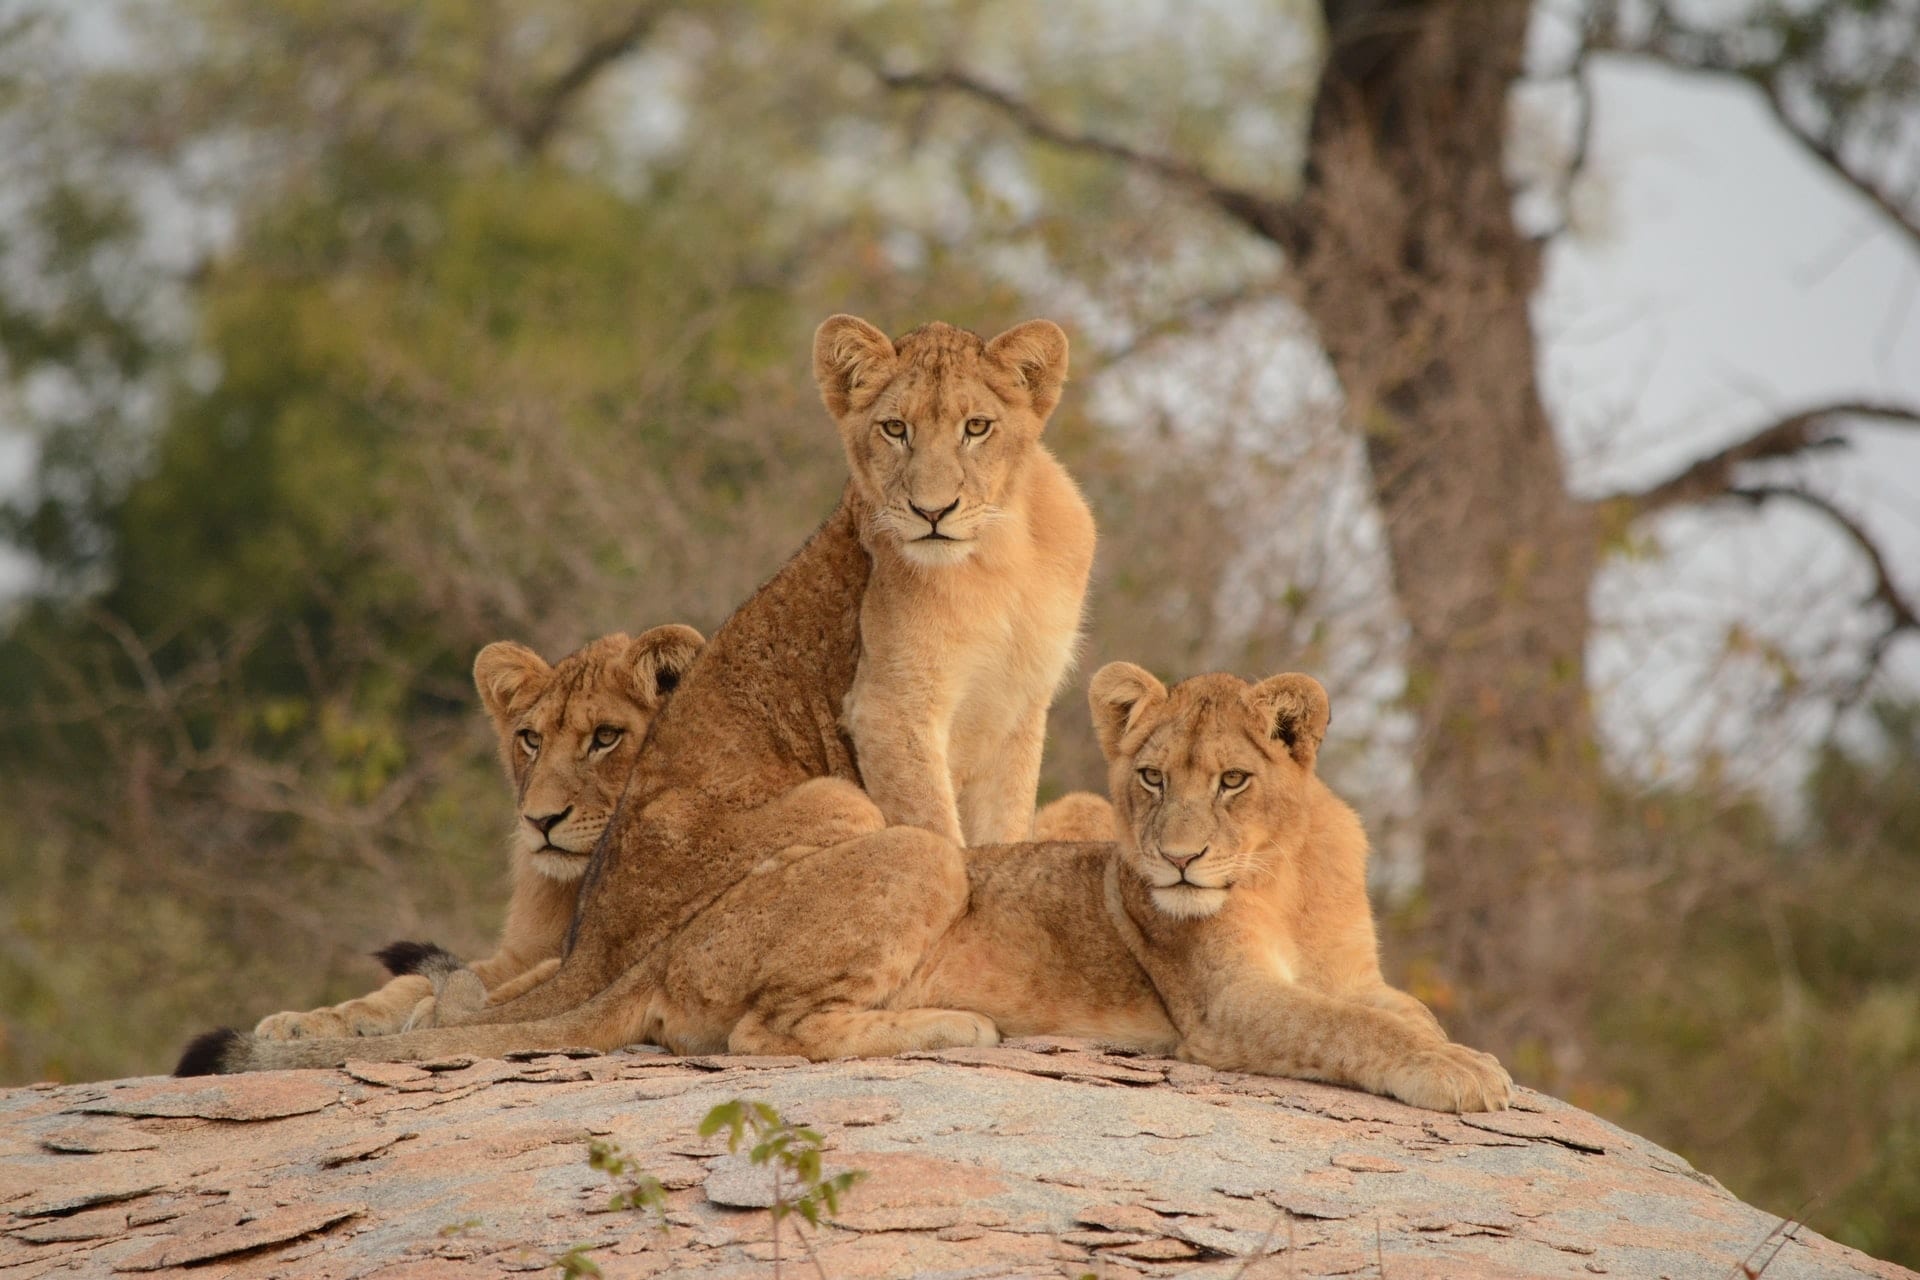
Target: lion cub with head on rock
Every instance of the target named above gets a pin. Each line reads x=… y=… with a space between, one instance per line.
x=568 y=734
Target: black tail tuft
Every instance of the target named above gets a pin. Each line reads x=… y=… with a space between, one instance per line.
x=415 y=957
x=211 y=1054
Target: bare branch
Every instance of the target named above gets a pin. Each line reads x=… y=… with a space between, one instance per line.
x=535 y=124
x=1267 y=216
x=1580 y=146
x=1674 y=42
x=1210 y=309
x=1823 y=150
x=1816 y=428
x=1885 y=591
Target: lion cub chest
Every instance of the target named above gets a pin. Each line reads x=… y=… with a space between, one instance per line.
x=947 y=709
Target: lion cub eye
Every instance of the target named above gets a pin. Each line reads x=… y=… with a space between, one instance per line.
x=1151 y=778
x=1234 y=779
x=893 y=428
x=606 y=735
x=529 y=741
x=977 y=428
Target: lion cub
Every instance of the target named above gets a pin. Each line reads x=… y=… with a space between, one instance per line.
x=568 y=734
x=1229 y=924
x=981 y=547
x=1239 y=884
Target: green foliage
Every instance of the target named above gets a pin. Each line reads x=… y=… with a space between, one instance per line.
x=792 y=1152
x=575 y=1263
x=1762 y=1013
x=788 y=1149
x=635 y=1188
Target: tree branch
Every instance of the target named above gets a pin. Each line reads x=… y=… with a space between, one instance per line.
x=1267 y=216
x=534 y=125
x=1885 y=590
x=1903 y=221
x=1713 y=476
x=1672 y=42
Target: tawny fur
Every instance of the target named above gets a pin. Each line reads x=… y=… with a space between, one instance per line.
x=568 y=734
x=1239 y=885
x=687 y=931
x=1078 y=815
x=1229 y=923
x=981 y=548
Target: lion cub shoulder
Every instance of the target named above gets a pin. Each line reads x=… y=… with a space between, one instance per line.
x=567 y=734
x=981 y=546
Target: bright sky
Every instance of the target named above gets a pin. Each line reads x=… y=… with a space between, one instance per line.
x=1730 y=280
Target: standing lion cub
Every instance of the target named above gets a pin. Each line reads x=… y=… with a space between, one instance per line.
x=981 y=547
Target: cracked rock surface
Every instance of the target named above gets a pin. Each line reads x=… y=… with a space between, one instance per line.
x=1038 y=1158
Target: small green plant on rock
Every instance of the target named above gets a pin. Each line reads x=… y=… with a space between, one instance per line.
x=633 y=1189
x=575 y=1264
x=642 y=1191
x=792 y=1152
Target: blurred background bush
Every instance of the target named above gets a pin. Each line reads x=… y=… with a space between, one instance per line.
x=1542 y=377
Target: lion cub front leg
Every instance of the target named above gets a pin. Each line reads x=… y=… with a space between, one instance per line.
x=996 y=799
x=378 y=1013
x=1275 y=1028
x=1408 y=1008
x=899 y=719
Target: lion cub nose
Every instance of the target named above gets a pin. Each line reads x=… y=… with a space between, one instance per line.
x=1181 y=858
x=545 y=823
x=933 y=518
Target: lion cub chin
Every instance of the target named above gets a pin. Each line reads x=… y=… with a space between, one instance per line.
x=980 y=546
x=567 y=735
x=1239 y=885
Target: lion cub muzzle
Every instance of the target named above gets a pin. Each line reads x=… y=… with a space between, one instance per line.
x=1182 y=858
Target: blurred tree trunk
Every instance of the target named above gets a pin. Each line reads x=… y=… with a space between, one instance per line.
x=1411 y=267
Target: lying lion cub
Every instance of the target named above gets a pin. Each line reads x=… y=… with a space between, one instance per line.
x=568 y=734
x=1228 y=925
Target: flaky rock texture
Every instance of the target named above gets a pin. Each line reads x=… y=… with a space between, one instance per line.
x=1041 y=1158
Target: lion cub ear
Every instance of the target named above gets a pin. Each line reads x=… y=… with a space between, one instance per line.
x=661 y=656
x=1037 y=351
x=1297 y=713
x=508 y=676
x=1119 y=695
x=850 y=358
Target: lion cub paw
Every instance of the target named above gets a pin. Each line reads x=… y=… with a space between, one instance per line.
x=960 y=1029
x=1451 y=1077
x=425 y=1015
x=324 y=1024
x=319 y=1024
